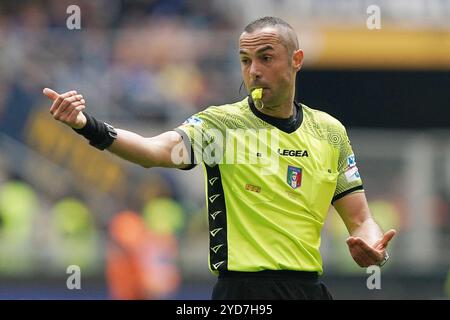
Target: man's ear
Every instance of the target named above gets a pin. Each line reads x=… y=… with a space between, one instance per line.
x=298 y=59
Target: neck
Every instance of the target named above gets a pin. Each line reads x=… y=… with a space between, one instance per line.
x=282 y=111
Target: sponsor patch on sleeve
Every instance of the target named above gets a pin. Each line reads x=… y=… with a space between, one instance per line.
x=352 y=174
x=193 y=120
x=351 y=160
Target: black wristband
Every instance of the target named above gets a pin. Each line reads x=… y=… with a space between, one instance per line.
x=100 y=134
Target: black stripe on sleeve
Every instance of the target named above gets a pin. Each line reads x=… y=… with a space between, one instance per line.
x=343 y=194
x=187 y=143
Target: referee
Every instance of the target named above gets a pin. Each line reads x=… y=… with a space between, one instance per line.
x=265 y=214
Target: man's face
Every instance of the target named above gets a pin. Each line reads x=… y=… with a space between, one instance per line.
x=266 y=63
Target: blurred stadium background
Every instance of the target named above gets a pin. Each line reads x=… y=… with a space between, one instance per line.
x=148 y=65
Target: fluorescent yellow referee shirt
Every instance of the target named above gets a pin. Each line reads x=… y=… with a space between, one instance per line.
x=269 y=183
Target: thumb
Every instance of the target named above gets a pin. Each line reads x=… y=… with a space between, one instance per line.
x=52 y=95
x=386 y=238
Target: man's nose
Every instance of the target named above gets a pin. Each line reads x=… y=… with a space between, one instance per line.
x=255 y=72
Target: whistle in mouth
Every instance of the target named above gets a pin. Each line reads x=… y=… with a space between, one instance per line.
x=257 y=94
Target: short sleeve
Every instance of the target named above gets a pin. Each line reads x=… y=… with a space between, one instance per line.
x=349 y=179
x=203 y=135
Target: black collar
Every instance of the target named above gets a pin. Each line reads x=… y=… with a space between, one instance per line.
x=287 y=125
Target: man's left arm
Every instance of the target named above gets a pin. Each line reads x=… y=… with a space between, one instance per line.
x=367 y=243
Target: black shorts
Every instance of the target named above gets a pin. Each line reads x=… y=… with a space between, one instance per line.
x=270 y=285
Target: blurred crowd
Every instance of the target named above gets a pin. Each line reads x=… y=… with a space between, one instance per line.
x=140 y=61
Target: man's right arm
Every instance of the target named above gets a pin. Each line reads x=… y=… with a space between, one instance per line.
x=164 y=150
x=150 y=152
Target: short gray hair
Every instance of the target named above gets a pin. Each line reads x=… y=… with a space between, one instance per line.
x=290 y=40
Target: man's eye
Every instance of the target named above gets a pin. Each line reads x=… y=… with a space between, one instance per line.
x=244 y=61
x=267 y=58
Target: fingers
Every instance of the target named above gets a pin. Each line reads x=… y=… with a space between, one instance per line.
x=72 y=117
x=362 y=253
x=386 y=238
x=359 y=257
x=70 y=101
x=52 y=95
x=63 y=116
x=373 y=255
x=57 y=102
x=69 y=108
x=74 y=107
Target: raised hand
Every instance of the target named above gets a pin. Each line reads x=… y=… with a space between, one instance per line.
x=67 y=107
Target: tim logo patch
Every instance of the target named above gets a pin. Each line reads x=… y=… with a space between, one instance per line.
x=294 y=177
